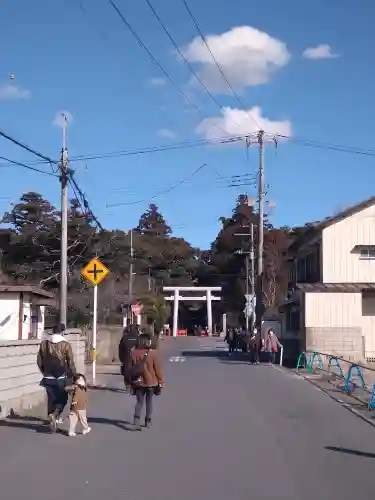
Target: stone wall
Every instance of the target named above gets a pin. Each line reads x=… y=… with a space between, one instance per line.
x=108 y=339
x=341 y=341
x=20 y=391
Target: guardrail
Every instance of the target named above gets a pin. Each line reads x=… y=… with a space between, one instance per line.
x=349 y=372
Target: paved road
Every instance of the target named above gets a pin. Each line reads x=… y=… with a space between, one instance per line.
x=223 y=429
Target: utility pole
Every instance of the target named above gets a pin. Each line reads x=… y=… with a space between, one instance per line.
x=247 y=289
x=261 y=194
x=131 y=275
x=252 y=262
x=64 y=175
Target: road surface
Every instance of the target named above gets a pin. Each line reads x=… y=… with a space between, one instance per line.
x=222 y=430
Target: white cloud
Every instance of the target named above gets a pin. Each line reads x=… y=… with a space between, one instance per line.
x=323 y=51
x=166 y=132
x=246 y=55
x=13 y=92
x=59 y=118
x=234 y=122
x=158 y=82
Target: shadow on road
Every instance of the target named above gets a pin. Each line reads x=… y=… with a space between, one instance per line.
x=39 y=425
x=222 y=355
x=348 y=451
x=121 y=390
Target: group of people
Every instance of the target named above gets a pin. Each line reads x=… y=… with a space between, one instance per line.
x=140 y=367
x=253 y=343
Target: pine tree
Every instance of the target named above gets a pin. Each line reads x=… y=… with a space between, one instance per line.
x=152 y=222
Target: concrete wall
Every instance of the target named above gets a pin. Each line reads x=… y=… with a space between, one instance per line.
x=340 y=263
x=333 y=324
x=108 y=339
x=20 y=391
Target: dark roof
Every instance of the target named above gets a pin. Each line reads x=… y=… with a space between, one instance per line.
x=317 y=227
x=335 y=287
x=27 y=289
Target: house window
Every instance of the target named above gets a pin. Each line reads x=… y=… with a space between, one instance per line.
x=367 y=253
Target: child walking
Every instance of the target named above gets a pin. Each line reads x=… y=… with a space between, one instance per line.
x=78 y=407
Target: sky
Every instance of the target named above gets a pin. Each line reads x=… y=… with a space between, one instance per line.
x=301 y=69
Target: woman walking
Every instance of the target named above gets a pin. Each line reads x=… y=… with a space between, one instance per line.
x=56 y=363
x=146 y=378
x=272 y=346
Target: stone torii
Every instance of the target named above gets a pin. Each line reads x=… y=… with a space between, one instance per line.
x=176 y=298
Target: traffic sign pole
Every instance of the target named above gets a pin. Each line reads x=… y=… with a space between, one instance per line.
x=94 y=272
x=94 y=332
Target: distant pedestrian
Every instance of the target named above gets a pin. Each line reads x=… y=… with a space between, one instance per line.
x=231 y=339
x=145 y=376
x=272 y=345
x=78 y=406
x=56 y=363
x=254 y=345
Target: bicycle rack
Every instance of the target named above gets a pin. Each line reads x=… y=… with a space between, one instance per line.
x=349 y=386
x=335 y=359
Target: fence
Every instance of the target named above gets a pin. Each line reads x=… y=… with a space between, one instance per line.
x=354 y=375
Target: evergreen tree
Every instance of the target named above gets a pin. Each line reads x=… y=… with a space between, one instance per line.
x=153 y=223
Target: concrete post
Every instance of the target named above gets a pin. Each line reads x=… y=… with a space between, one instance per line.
x=175 y=312
x=224 y=333
x=209 y=312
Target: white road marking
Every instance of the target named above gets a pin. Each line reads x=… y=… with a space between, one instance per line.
x=177 y=359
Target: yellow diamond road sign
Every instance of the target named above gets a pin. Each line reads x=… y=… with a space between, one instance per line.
x=95 y=272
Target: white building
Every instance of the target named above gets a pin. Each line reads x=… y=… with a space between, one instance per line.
x=330 y=305
x=22 y=311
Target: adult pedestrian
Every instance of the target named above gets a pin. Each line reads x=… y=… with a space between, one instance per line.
x=254 y=345
x=56 y=364
x=127 y=343
x=146 y=378
x=272 y=345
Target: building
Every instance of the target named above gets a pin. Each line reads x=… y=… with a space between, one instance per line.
x=330 y=304
x=22 y=311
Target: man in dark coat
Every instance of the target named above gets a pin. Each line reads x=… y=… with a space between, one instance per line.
x=127 y=343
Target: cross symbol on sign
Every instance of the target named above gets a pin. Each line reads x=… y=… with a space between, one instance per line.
x=95 y=272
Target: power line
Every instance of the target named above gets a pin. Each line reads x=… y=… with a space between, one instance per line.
x=106 y=39
x=23 y=165
x=150 y=149
x=192 y=70
x=160 y=193
x=59 y=166
x=157 y=64
x=202 y=143
x=195 y=22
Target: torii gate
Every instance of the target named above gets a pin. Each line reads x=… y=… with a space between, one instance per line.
x=176 y=298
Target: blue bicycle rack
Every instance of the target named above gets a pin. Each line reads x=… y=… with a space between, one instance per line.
x=349 y=385
x=313 y=357
x=336 y=360
x=371 y=401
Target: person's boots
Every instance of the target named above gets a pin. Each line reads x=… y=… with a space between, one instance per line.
x=53 y=423
x=148 y=422
x=137 y=424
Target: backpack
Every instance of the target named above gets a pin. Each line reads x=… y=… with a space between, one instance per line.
x=135 y=373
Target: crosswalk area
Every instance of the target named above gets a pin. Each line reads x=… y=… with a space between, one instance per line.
x=211 y=344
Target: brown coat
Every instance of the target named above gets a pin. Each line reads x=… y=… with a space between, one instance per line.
x=79 y=397
x=153 y=374
x=55 y=359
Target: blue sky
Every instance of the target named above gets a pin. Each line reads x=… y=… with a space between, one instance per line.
x=118 y=102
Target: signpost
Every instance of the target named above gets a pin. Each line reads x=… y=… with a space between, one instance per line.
x=94 y=272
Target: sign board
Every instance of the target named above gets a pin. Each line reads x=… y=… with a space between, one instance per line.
x=95 y=272
x=137 y=309
x=250 y=305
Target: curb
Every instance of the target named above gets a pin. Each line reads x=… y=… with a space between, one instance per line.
x=337 y=400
